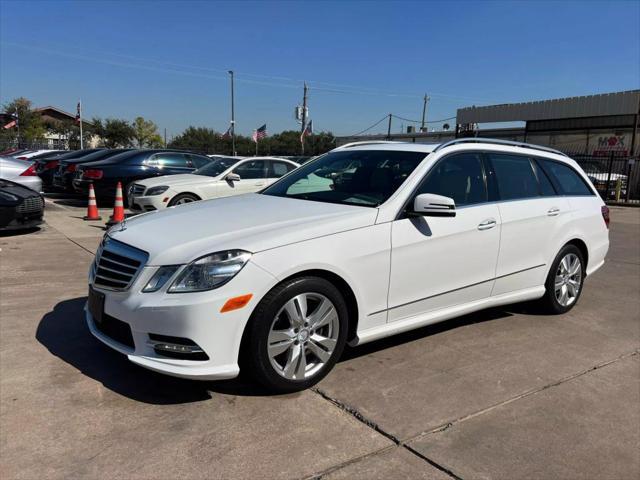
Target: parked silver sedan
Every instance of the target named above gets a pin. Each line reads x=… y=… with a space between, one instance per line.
x=20 y=171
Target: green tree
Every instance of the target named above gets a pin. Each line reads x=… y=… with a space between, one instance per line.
x=201 y=139
x=113 y=132
x=145 y=133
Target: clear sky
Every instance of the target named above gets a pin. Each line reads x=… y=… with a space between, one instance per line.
x=167 y=61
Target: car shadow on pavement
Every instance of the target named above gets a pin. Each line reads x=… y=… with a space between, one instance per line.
x=64 y=333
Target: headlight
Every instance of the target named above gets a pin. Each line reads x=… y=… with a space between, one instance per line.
x=160 y=278
x=211 y=271
x=156 y=190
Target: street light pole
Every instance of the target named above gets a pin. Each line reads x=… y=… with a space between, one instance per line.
x=424 y=111
x=233 y=119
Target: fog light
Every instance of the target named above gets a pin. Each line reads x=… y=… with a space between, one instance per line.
x=171 y=347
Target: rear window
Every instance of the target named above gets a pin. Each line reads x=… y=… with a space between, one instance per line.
x=515 y=176
x=566 y=178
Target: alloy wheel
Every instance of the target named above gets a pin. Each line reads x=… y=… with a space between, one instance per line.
x=303 y=336
x=568 y=279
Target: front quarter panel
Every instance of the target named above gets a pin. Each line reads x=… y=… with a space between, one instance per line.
x=361 y=257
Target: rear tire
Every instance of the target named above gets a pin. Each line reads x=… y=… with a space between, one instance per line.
x=183 y=198
x=564 y=282
x=296 y=334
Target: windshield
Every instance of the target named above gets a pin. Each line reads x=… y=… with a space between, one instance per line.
x=363 y=177
x=216 y=167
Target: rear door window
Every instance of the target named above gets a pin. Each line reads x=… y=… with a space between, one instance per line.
x=567 y=179
x=278 y=169
x=546 y=187
x=251 y=169
x=515 y=176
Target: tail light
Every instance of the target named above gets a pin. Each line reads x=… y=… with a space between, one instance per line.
x=22 y=158
x=605 y=215
x=29 y=172
x=92 y=174
x=71 y=168
x=50 y=165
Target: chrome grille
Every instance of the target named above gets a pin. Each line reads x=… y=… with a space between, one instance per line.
x=30 y=205
x=117 y=264
x=136 y=190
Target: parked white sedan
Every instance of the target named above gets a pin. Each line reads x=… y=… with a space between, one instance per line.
x=223 y=177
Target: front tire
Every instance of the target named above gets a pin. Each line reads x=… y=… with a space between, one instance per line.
x=565 y=281
x=296 y=334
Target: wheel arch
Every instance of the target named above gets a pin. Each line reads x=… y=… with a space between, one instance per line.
x=582 y=246
x=340 y=283
x=186 y=193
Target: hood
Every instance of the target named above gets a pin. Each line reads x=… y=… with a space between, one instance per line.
x=251 y=222
x=177 y=180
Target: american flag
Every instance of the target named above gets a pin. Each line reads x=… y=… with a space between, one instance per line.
x=260 y=133
x=78 y=114
x=227 y=134
x=308 y=130
x=12 y=123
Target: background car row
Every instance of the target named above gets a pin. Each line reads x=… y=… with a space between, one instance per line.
x=152 y=178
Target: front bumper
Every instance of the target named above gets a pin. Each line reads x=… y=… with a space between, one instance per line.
x=195 y=316
x=149 y=203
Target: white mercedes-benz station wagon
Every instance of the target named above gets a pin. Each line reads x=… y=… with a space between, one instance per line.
x=366 y=241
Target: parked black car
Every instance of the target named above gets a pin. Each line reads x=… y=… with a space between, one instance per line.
x=20 y=207
x=46 y=165
x=64 y=174
x=132 y=166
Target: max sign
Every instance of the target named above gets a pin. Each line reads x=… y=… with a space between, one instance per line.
x=612 y=143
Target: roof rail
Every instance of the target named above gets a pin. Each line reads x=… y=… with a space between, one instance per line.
x=369 y=142
x=496 y=141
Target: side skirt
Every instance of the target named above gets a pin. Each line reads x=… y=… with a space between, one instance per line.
x=429 y=318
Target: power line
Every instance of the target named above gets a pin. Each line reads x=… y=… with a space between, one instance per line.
x=420 y=121
x=98 y=57
x=372 y=126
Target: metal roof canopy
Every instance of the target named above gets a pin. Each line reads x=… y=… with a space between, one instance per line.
x=618 y=103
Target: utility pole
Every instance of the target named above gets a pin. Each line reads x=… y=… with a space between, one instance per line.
x=233 y=118
x=389 y=128
x=165 y=138
x=304 y=116
x=80 y=120
x=424 y=112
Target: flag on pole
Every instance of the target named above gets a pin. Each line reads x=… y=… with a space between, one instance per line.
x=308 y=130
x=227 y=134
x=78 y=114
x=260 y=133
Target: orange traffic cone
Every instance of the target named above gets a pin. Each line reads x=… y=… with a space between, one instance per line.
x=92 y=208
x=118 y=207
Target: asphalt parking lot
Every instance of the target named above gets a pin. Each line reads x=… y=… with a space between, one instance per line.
x=502 y=394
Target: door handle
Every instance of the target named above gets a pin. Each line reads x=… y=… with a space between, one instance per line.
x=259 y=184
x=487 y=224
x=553 y=211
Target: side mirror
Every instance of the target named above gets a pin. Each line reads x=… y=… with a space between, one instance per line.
x=232 y=177
x=432 y=205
